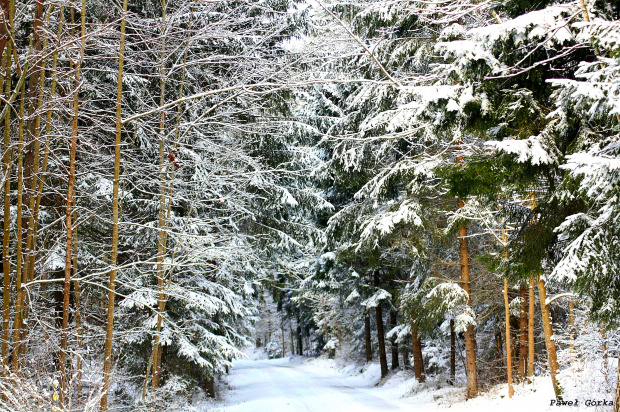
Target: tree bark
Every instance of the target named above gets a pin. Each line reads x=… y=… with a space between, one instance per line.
x=69 y=211
x=161 y=222
x=381 y=338
x=470 y=337
x=19 y=299
x=549 y=343
x=115 y=219
x=393 y=342
x=6 y=258
x=452 y=353
x=367 y=338
x=300 y=342
x=571 y=328
x=418 y=360
x=380 y=332
x=511 y=390
x=617 y=397
x=530 y=330
x=523 y=332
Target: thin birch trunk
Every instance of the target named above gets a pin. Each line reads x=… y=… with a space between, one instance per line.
x=115 y=209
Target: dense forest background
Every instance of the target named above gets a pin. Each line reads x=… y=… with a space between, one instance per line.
x=433 y=183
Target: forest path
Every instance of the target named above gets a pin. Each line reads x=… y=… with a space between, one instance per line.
x=281 y=385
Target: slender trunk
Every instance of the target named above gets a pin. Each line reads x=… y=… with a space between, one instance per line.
x=69 y=208
x=300 y=351
x=571 y=328
x=523 y=332
x=380 y=332
x=549 y=343
x=18 y=276
x=48 y=128
x=31 y=154
x=511 y=390
x=617 y=397
x=6 y=258
x=78 y=301
x=530 y=330
x=452 y=353
x=5 y=28
x=470 y=337
x=115 y=208
x=393 y=342
x=381 y=338
x=283 y=342
x=367 y=338
x=418 y=360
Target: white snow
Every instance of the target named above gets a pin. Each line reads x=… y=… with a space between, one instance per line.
x=324 y=385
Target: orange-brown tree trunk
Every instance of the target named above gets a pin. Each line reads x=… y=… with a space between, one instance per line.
x=470 y=337
x=548 y=332
x=6 y=258
x=530 y=330
x=511 y=390
x=107 y=363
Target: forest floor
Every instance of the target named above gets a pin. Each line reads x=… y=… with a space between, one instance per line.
x=325 y=385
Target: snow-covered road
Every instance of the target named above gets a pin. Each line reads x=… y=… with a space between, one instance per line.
x=279 y=385
x=323 y=385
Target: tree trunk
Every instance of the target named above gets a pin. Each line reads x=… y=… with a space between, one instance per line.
x=549 y=343
x=367 y=338
x=381 y=338
x=523 y=332
x=210 y=387
x=470 y=337
x=115 y=218
x=19 y=299
x=617 y=397
x=69 y=213
x=418 y=360
x=406 y=363
x=380 y=331
x=283 y=341
x=530 y=330
x=511 y=390
x=300 y=342
x=452 y=353
x=393 y=342
x=6 y=257
x=571 y=328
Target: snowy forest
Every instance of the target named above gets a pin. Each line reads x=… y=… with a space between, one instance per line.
x=433 y=183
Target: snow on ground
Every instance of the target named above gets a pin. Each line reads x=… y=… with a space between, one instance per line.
x=324 y=385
